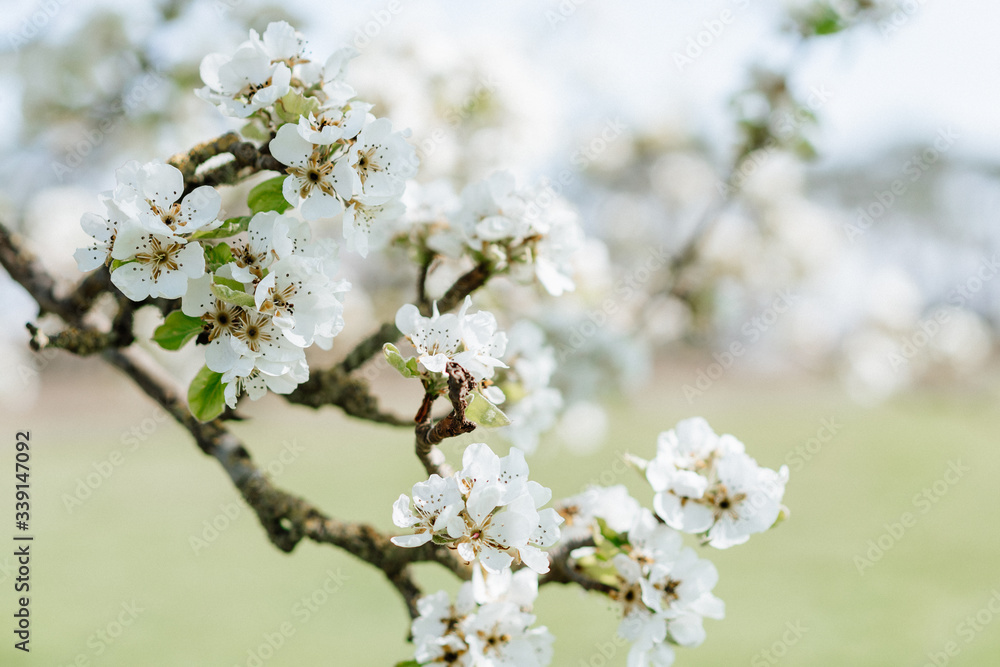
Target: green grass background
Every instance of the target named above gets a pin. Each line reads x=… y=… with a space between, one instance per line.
x=130 y=541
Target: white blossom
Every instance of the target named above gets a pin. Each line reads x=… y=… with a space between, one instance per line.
x=382 y=160
x=471 y=341
x=707 y=484
x=368 y=222
x=103 y=230
x=496 y=518
x=246 y=81
x=267 y=240
x=155 y=265
x=315 y=182
x=303 y=300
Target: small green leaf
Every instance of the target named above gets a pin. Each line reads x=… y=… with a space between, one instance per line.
x=406 y=367
x=254 y=132
x=115 y=263
x=177 y=329
x=616 y=539
x=237 y=297
x=217 y=255
x=231 y=227
x=484 y=413
x=293 y=105
x=206 y=395
x=267 y=196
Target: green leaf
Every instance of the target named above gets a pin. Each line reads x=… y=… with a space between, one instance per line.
x=177 y=329
x=228 y=282
x=827 y=22
x=484 y=413
x=230 y=227
x=267 y=196
x=115 y=263
x=217 y=255
x=293 y=105
x=254 y=132
x=237 y=297
x=407 y=367
x=206 y=395
x=616 y=539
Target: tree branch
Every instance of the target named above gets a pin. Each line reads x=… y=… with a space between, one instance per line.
x=286 y=518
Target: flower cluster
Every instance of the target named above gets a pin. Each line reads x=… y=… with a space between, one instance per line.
x=471 y=341
x=488 y=511
x=488 y=625
x=663 y=587
x=145 y=236
x=529 y=232
x=707 y=484
x=275 y=298
x=339 y=157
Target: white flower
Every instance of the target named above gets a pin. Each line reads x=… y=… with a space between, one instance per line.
x=665 y=592
x=303 y=300
x=382 y=160
x=103 y=231
x=435 y=502
x=335 y=89
x=333 y=125
x=281 y=43
x=253 y=77
x=519 y=588
x=267 y=240
x=498 y=635
x=314 y=181
x=707 y=484
x=494 y=519
x=746 y=500
x=471 y=341
x=248 y=375
x=612 y=504
x=224 y=319
x=367 y=222
x=156 y=265
x=492 y=211
x=150 y=195
x=495 y=632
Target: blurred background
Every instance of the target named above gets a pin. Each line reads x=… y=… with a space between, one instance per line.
x=790 y=218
